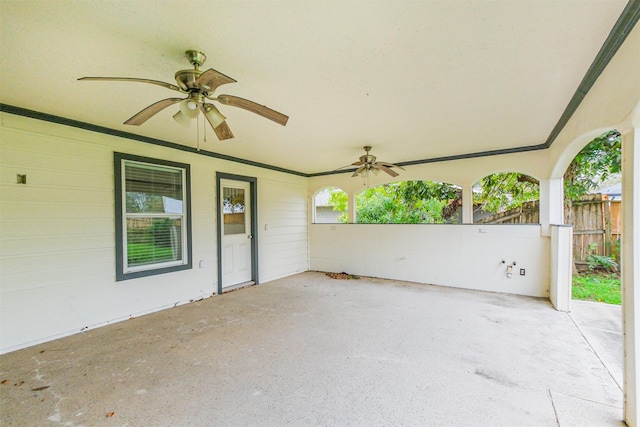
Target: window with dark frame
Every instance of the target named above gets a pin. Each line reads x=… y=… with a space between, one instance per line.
x=153 y=232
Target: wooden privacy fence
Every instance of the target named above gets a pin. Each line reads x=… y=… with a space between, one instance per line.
x=597 y=225
x=529 y=213
x=595 y=218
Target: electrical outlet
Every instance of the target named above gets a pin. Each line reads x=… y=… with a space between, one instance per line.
x=522 y=271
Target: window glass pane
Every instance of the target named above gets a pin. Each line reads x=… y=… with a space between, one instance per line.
x=153 y=189
x=153 y=240
x=234 y=210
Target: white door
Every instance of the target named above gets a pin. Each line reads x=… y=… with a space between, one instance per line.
x=236 y=232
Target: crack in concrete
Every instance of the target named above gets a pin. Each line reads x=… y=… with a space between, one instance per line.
x=553 y=405
x=593 y=350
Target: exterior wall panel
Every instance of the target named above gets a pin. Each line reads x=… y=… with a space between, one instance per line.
x=282 y=224
x=57 y=235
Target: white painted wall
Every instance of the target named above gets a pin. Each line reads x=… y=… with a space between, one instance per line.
x=282 y=227
x=57 y=237
x=448 y=255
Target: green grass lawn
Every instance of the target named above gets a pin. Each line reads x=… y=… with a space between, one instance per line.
x=147 y=253
x=600 y=287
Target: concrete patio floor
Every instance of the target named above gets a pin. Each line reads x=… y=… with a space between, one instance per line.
x=309 y=350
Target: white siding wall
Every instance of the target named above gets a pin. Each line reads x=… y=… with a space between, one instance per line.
x=282 y=228
x=57 y=237
x=447 y=255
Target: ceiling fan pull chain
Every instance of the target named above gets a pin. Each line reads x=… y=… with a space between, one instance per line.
x=204 y=129
x=198 y=128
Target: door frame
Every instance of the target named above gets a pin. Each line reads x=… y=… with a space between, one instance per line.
x=253 y=214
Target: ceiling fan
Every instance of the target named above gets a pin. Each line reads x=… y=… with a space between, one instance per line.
x=368 y=163
x=198 y=86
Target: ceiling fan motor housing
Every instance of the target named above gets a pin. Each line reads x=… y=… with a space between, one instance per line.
x=186 y=80
x=368 y=159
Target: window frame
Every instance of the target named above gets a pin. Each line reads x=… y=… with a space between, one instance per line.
x=123 y=272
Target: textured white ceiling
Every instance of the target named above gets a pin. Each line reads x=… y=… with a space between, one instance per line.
x=416 y=80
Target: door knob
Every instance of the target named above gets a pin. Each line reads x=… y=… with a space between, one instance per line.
x=249 y=236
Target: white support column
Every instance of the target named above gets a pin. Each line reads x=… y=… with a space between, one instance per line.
x=561 y=266
x=630 y=263
x=467 y=204
x=551 y=204
x=352 y=208
x=312 y=208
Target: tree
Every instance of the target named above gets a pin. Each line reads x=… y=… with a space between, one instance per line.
x=340 y=202
x=397 y=204
x=450 y=194
x=143 y=202
x=500 y=192
x=408 y=202
x=593 y=164
x=598 y=160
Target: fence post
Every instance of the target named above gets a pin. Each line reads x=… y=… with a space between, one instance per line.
x=608 y=241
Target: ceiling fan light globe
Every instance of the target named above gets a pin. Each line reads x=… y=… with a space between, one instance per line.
x=181 y=119
x=189 y=108
x=214 y=116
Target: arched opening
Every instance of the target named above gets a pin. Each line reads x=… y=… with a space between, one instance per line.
x=410 y=202
x=593 y=205
x=506 y=198
x=330 y=206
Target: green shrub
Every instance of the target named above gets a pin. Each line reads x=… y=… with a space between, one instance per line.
x=602 y=262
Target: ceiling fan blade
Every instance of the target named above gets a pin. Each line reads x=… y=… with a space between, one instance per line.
x=129 y=79
x=151 y=110
x=387 y=170
x=222 y=130
x=212 y=79
x=390 y=165
x=357 y=172
x=261 y=110
x=350 y=165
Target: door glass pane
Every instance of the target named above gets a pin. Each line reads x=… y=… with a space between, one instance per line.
x=233 y=209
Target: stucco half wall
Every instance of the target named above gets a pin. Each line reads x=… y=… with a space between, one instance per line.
x=464 y=256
